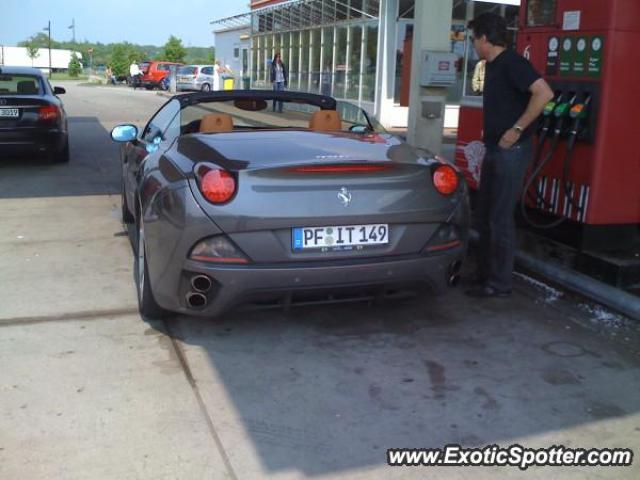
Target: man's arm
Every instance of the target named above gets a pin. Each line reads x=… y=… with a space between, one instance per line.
x=541 y=94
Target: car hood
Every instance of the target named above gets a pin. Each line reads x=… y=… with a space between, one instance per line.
x=268 y=149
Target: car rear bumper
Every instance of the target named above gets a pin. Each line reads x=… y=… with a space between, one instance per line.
x=32 y=140
x=233 y=285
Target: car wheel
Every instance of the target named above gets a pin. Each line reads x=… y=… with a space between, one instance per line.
x=146 y=303
x=127 y=216
x=63 y=155
x=206 y=87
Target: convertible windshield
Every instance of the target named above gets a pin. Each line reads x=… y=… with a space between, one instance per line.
x=266 y=114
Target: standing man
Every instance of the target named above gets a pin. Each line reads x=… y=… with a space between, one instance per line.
x=278 y=77
x=134 y=73
x=514 y=96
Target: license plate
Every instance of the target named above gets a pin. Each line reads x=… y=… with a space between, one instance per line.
x=343 y=237
x=9 y=112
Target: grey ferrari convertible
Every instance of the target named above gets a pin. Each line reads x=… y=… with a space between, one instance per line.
x=234 y=201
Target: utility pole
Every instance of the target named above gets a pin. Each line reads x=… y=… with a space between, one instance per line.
x=73 y=29
x=48 y=29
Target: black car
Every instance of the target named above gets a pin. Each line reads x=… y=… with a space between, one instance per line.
x=32 y=117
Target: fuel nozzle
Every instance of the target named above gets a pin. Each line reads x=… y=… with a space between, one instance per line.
x=550 y=107
x=579 y=110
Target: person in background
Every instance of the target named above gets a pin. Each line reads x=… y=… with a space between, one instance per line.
x=218 y=70
x=135 y=74
x=278 y=78
x=111 y=79
x=514 y=96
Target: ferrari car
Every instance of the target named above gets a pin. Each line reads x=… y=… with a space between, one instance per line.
x=32 y=117
x=233 y=202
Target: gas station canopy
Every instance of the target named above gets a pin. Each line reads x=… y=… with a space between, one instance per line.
x=300 y=14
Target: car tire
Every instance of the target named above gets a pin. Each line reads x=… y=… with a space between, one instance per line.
x=146 y=303
x=206 y=87
x=63 y=155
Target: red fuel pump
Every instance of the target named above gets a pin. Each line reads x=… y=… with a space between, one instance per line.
x=587 y=169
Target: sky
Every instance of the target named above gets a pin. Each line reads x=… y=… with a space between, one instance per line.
x=143 y=22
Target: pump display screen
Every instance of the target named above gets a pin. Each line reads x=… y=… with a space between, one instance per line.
x=541 y=13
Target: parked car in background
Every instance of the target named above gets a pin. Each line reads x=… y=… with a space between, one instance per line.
x=32 y=117
x=235 y=203
x=154 y=72
x=195 y=77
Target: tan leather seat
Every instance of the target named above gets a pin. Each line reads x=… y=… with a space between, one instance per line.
x=325 y=120
x=216 y=123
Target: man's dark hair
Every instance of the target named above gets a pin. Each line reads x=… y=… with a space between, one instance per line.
x=492 y=26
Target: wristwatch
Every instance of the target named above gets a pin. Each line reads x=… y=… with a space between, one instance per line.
x=518 y=129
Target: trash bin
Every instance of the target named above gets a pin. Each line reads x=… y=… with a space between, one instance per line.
x=228 y=83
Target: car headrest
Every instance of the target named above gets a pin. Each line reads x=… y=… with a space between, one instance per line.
x=324 y=120
x=27 y=87
x=216 y=123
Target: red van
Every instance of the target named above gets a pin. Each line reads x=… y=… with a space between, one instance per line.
x=154 y=72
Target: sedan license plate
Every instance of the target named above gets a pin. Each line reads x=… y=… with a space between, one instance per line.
x=9 y=113
x=343 y=237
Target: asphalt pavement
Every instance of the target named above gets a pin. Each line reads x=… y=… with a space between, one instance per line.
x=89 y=390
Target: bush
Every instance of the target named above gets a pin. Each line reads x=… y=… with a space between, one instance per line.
x=75 y=67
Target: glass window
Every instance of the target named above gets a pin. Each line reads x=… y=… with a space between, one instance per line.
x=294 y=69
x=326 y=78
x=403 y=62
x=541 y=12
x=254 y=63
x=406 y=8
x=341 y=63
x=20 y=85
x=353 y=88
x=269 y=44
x=370 y=62
x=315 y=60
x=304 y=60
x=165 y=124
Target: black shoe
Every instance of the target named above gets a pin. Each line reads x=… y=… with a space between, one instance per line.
x=487 y=291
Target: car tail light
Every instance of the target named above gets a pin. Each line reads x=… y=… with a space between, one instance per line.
x=445 y=179
x=217 y=185
x=48 y=113
x=339 y=168
x=446 y=237
x=218 y=249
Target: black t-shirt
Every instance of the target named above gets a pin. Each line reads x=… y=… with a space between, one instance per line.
x=506 y=94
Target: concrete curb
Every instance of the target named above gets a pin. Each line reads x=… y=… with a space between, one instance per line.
x=612 y=297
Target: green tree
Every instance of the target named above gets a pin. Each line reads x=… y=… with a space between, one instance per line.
x=32 y=51
x=119 y=60
x=174 y=51
x=75 y=66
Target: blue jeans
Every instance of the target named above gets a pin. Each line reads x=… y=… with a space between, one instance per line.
x=501 y=183
x=278 y=87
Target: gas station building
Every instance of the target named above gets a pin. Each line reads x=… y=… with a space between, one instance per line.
x=354 y=50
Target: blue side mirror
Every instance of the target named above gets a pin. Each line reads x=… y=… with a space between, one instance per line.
x=124 y=133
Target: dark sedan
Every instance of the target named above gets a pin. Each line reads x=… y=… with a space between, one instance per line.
x=234 y=201
x=32 y=117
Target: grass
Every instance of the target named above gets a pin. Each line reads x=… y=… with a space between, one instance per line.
x=65 y=76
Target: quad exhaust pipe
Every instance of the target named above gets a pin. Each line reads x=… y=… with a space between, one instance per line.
x=201 y=283
x=196 y=300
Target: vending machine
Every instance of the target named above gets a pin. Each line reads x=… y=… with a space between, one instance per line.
x=586 y=171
